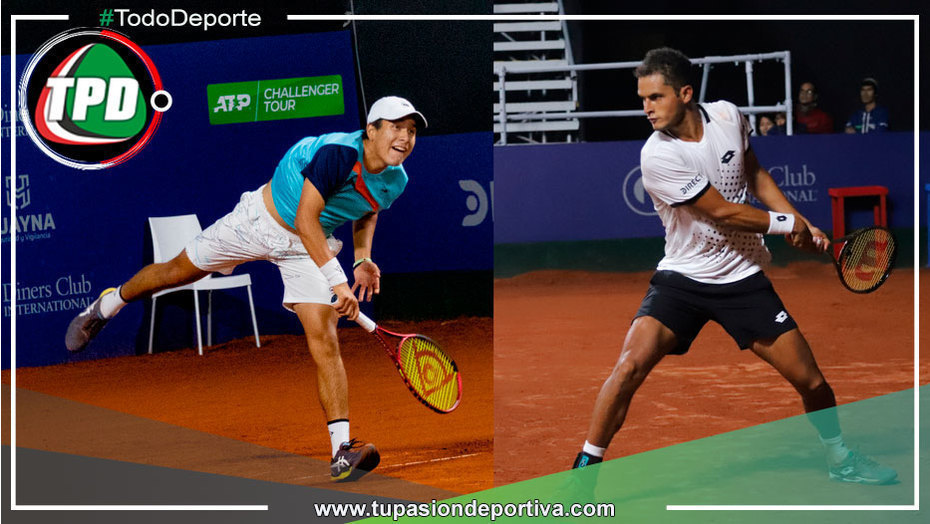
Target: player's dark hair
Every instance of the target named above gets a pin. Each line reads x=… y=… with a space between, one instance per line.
x=672 y=64
x=377 y=123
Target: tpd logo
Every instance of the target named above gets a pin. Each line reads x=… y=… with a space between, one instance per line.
x=634 y=194
x=91 y=98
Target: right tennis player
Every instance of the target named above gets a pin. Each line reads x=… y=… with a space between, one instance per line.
x=699 y=170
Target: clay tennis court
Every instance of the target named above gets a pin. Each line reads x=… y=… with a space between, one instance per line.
x=267 y=397
x=557 y=334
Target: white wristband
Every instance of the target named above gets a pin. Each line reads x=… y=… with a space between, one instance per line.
x=333 y=272
x=780 y=223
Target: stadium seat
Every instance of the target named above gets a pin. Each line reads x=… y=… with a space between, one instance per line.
x=838 y=204
x=169 y=236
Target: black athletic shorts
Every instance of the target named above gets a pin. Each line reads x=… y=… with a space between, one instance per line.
x=748 y=309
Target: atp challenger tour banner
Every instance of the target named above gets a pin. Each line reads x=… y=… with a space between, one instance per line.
x=594 y=191
x=114 y=133
x=276 y=99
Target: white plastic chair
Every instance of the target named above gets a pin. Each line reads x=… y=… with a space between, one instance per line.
x=169 y=236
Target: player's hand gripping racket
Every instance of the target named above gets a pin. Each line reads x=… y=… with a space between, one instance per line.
x=866 y=259
x=430 y=374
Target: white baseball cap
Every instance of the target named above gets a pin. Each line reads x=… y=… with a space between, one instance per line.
x=394 y=108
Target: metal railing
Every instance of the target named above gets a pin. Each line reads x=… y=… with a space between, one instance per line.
x=555 y=91
x=706 y=63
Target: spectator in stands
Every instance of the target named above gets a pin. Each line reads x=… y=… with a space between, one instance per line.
x=810 y=118
x=781 y=124
x=872 y=117
x=766 y=124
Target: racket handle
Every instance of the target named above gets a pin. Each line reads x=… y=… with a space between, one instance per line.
x=366 y=323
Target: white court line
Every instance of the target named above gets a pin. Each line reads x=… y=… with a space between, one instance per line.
x=402 y=465
x=428 y=461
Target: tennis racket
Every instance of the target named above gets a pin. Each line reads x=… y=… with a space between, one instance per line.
x=428 y=372
x=866 y=259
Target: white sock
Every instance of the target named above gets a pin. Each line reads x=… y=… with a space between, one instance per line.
x=591 y=449
x=338 y=433
x=111 y=303
x=836 y=449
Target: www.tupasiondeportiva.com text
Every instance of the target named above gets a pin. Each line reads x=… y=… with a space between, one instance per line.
x=490 y=510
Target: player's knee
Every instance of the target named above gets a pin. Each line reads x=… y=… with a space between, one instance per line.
x=628 y=373
x=814 y=386
x=324 y=344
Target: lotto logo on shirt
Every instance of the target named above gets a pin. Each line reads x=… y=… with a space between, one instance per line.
x=91 y=98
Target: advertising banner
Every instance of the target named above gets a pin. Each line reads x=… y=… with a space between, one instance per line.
x=594 y=191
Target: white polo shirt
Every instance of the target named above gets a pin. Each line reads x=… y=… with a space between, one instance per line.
x=676 y=172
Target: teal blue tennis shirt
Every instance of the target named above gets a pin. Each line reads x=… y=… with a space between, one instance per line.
x=333 y=164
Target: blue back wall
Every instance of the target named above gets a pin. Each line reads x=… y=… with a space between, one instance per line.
x=590 y=191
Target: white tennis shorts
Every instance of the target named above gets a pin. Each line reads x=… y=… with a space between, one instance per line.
x=250 y=233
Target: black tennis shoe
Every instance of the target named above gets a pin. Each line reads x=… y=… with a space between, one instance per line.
x=353 y=461
x=585 y=459
x=578 y=486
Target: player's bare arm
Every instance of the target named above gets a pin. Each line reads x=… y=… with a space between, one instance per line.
x=366 y=273
x=741 y=217
x=763 y=186
x=311 y=235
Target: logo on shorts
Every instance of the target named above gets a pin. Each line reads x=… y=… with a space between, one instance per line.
x=91 y=98
x=727 y=157
x=781 y=317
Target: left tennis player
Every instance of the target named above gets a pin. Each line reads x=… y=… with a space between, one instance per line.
x=319 y=184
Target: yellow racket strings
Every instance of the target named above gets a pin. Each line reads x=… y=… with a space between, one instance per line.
x=430 y=371
x=867 y=260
